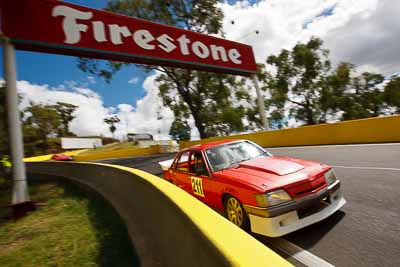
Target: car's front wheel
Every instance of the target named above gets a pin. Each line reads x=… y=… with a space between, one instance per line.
x=235 y=212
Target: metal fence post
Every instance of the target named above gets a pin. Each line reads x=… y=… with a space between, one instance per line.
x=260 y=102
x=20 y=193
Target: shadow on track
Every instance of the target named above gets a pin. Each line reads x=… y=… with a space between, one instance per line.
x=311 y=235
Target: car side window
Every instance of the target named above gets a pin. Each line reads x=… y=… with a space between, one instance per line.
x=183 y=162
x=197 y=164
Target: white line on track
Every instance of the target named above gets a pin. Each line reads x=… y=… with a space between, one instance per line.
x=358 y=145
x=367 y=168
x=297 y=253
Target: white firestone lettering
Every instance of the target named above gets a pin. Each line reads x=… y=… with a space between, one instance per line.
x=218 y=52
x=183 y=44
x=166 y=43
x=72 y=29
x=200 y=49
x=117 y=31
x=234 y=56
x=99 y=32
x=142 y=39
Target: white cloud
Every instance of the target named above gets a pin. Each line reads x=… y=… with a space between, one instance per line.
x=91 y=110
x=149 y=116
x=364 y=32
x=89 y=113
x=134 y=80
x=370 y=39
x=91 y=80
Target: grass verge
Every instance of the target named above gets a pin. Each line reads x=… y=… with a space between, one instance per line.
x=72 y=227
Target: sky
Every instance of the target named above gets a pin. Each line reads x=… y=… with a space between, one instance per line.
x=363 y=32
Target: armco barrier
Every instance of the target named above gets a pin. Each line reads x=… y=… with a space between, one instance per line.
x=372 y=130
x=167 y=226
x=119 y=153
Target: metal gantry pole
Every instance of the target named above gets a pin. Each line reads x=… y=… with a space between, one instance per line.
x=260 y=102
x=20 y=188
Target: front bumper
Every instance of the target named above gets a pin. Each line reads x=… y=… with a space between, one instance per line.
x=284 y=219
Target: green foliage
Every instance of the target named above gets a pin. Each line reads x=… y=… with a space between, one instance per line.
x=65 y=112
x=111 y=121
x=364 y=99
x=304 y=78
x=207 y=97
x=41 y=122
x=392 y=93
x=180 y=130
x=300 y=78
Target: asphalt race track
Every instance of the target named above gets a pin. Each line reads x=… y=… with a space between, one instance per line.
x=366 y=232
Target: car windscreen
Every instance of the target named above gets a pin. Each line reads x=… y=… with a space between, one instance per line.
x=225 y=156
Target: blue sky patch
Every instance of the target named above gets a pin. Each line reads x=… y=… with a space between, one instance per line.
x=325 y=13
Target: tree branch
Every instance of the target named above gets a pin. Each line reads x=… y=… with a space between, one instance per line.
x=297 y=103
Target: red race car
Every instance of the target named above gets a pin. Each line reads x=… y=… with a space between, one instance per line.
x=61 y=157
x=273 y=195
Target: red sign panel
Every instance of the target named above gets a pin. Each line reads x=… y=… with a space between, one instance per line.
x=63 y=28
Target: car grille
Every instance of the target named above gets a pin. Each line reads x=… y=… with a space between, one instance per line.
x=316 y=207
x=307 y=188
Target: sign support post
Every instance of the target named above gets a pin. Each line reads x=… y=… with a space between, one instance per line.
x=260 y=102
x=20 y=196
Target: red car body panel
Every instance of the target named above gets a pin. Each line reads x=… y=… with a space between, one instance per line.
x=297 y=177
x=61 y=157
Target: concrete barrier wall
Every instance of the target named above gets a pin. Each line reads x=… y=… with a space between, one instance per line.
x=167 y=226
x=372 y=130
x=118 y=153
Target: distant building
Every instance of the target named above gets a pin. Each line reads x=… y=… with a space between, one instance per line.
x=139 y=137
x=144 y=140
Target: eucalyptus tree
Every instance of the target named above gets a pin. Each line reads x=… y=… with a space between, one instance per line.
x=392 y=94
x=66 y=113
x=365 y=97
x=300 y=78
x=111 y=121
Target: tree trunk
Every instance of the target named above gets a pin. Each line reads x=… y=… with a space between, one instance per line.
x=200 y=128
x=309 y=113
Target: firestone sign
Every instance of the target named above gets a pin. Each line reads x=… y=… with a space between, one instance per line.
x=63 y=28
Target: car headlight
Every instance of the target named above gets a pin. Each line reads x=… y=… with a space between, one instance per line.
x=330 y=177
x=272 y=198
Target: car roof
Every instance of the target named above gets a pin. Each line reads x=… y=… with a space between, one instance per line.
x=208 y=145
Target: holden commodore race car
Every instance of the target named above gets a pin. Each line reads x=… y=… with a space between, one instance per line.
x=272 y=195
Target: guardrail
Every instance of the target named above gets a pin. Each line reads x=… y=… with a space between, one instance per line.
x=372 y=130
x=167 y=226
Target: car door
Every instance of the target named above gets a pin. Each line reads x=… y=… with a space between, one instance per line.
x=203 y=186
x=181 y=173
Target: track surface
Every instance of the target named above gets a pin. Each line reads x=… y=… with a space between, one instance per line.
x=366 y=232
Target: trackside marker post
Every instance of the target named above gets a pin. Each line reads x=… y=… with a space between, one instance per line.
x=260 y=102
x=20 y=196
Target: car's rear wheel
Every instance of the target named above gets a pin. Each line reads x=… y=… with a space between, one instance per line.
x=235 y=212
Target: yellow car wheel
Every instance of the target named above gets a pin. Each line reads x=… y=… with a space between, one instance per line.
x=235 y=212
